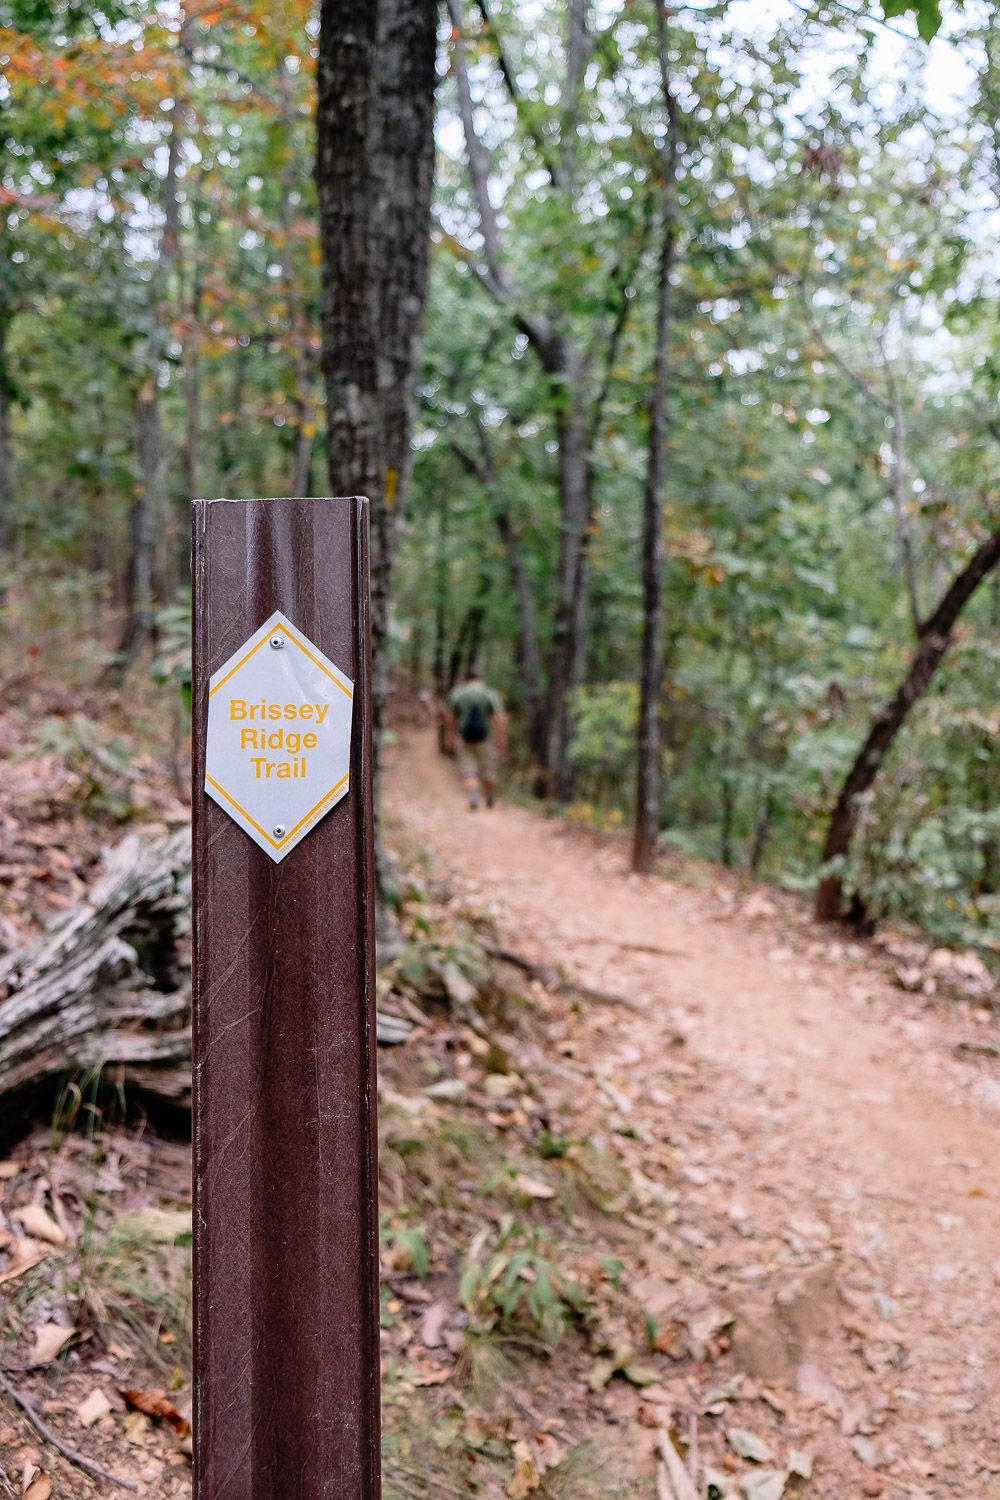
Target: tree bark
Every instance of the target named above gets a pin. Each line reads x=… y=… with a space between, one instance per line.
x=6 y=487
x=647 y=800
x=349 y=308
x=139 y=585
x=374 y=174
x=935 y=638
x=148 y=527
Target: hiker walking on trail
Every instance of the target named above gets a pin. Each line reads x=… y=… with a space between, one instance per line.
x=478 y=716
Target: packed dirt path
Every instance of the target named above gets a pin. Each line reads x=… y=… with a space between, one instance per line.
x=834 y=1180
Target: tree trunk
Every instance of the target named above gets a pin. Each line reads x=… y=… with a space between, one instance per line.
x=298 y=329
x=6 y=487
x=935 y=638
x=148 y=528
x=529 y=655
x=647 y=800
x=374 y=172
x=349 y=312
x=139 y=595
x=569 y=633
x=400 y=190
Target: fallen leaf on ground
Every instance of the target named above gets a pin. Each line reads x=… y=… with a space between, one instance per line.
x=157 y=1404
x=432 y=1325
x=748 y=1445
x=532 y=1188
x=39 y=1224
x=29 y=1255
x=49 y=1339
x=162 y=1225
x=673 y=1481
x=765 y=1484
x=93 y=1408
x=136 y=1429
x=432 y=1375
x=526 y=1475
x=39 y=1489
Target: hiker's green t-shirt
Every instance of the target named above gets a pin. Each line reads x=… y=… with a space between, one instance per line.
x=466 y=699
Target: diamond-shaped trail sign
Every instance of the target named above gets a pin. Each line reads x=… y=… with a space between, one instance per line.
x=279 y=736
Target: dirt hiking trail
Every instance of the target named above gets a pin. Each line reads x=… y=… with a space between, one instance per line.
x=826 y=1154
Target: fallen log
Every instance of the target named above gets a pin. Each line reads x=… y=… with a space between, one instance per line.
x=108 y=986
x=109 y=983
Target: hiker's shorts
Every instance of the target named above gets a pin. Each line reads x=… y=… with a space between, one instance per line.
x=478 y=760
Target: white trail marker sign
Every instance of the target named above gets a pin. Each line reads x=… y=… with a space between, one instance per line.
x=278 y=750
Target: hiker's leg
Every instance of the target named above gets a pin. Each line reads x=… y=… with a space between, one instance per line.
x=488 y=770
x=467 y=764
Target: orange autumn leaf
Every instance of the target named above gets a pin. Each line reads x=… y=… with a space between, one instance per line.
x=158 y=1405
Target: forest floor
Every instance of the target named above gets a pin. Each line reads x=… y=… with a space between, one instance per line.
x=820 y=1153
x=682 y=1172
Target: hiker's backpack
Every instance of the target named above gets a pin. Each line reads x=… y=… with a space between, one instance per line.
x=475 y=726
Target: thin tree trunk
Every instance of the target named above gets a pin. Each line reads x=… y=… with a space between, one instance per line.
x=305 y=425
x=567 y=369
x=139 y=586
x=900 y=477
x=528 y=651
x=6 y=481
x=148 y=527
x=647 y=802
x=572 y=581
x=935 y=638
x=529 y=655
x=441 y=597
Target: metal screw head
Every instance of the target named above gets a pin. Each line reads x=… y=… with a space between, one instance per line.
x=277 y=642
x=278 y=830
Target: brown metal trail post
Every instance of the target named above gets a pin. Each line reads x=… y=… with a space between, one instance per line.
x=286 y=1233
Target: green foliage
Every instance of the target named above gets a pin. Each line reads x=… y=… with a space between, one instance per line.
x=514 y=1285
x=101 y=767
x=406 y=1245
x=834 y=367
x=928 y=13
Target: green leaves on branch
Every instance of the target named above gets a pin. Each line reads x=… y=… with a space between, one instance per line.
x=928 y=13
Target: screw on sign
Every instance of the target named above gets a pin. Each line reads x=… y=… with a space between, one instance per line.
x=286 y=1288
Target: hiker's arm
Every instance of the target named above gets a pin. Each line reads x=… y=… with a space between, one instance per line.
x=500 y=732
x=447 y=731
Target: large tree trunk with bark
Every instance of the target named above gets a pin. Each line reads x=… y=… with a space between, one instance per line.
x=935 y=638
x=402 y=183
x=374 y=173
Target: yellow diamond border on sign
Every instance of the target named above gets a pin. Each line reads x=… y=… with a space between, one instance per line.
x=278 y=623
